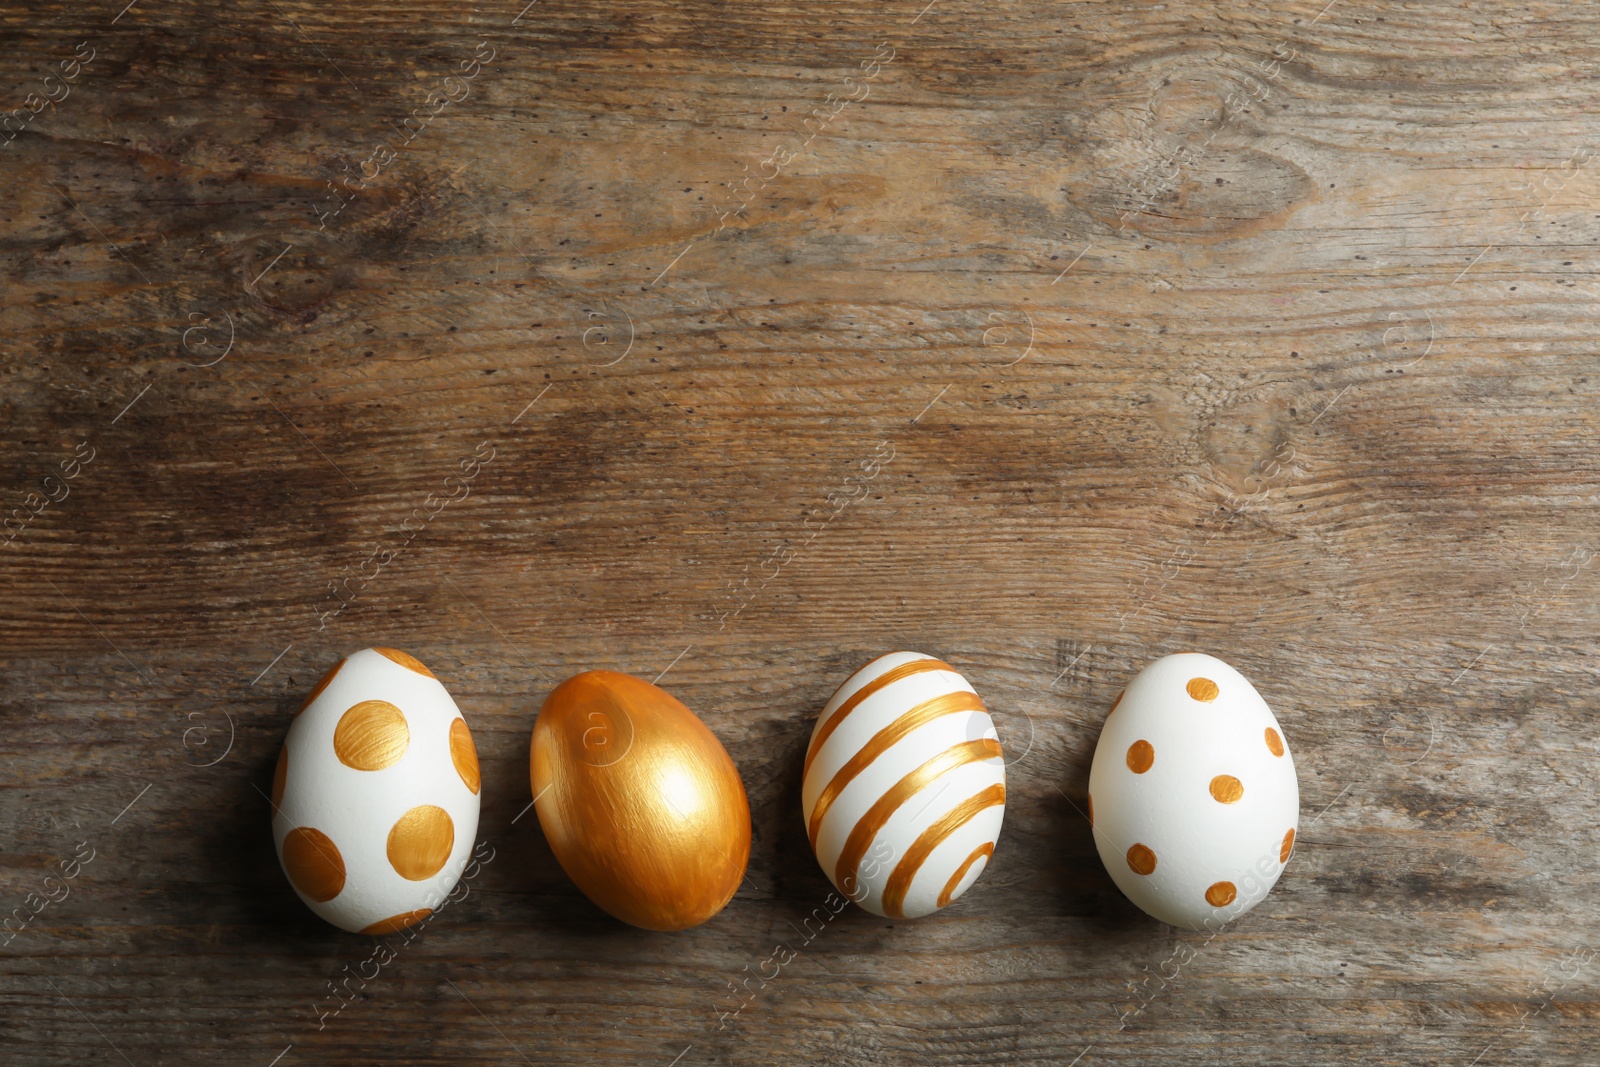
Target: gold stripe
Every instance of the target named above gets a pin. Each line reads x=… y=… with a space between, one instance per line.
x=880 y=743
x=894 y=892
x=855 y=846
x=888 y=677
x=985 y=850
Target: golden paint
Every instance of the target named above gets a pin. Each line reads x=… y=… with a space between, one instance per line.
x=1141 y=859
x=842 y=712
x=1221 y=894
x=905 y=872
x=420 y=842
x=280 y=778
x=1203 y=689
x=881 y=742
x=983 y=851
x=395 y=923
x=1274 y=742
x=313 y=864
x=1117 y=701
x=405 y=659
x=1141 y=756
x=372 y=735
x=855 y=846
x=654 y=825
x=1288 y=846
x=1226 y=789
x=464 y=754
x=316 y=692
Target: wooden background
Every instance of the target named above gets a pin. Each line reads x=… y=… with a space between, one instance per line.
x=1263 y=329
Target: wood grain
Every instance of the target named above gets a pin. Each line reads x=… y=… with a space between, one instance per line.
x=1260 y=329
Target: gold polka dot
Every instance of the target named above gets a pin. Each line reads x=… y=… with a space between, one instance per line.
x=1141 y=860
x=1203 y=689
x=395 y=923
x=1274 y=742
x=1141 y=756
x=420 y=842
x=280 y=777
x=409 y=662
x=1221 y=894
x=1288 y=846
x=372 y=735
x=464 y=754
x=1091 y=809
x=1117 y=701
x=1226 y=789
x=313 y=863
x=315 y=693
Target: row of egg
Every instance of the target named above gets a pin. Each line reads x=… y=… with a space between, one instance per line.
x=376 y=792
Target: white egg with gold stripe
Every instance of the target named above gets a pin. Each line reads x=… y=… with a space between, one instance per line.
x=904 y=786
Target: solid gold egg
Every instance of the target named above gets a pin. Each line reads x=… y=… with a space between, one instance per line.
x=640 y=802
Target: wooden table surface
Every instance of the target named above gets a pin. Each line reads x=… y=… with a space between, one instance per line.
x=1260 y=329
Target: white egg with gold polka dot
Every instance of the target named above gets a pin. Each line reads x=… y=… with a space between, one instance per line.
x=904 y=786
x=1192 y=793
x=375 y=796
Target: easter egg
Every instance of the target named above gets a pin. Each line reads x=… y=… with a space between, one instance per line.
x=640 y=802
x=1192 y=793
x=904 y=786
x=375 y=795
